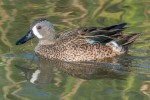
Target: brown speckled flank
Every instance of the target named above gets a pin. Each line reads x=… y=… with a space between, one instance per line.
x=82 y=44
x=74 y=50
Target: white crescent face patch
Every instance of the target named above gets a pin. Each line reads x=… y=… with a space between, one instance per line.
x=36 y=33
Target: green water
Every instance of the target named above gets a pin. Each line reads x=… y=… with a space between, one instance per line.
x=15 y=18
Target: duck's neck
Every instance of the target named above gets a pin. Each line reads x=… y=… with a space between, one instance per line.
x=49 y=39
x=46 y=42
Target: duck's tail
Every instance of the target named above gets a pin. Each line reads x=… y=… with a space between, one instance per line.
x=123 y=42
x=122 y=39
x=127 y=40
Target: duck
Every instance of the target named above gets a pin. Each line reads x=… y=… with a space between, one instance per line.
x=79 y=44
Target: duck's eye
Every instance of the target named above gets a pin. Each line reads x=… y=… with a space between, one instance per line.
x=39 y=27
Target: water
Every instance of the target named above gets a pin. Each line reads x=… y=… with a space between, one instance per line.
x=129 y=83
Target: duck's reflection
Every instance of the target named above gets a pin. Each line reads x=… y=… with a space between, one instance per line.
x=108 y=68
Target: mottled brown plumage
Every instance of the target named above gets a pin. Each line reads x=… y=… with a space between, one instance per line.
x=82 y=44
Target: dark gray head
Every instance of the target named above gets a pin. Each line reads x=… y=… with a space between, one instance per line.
x=37 y=21
x=42 y=29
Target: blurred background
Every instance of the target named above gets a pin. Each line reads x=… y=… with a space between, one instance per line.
x=15 y=19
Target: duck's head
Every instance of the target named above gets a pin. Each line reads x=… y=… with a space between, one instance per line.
x=42 y=29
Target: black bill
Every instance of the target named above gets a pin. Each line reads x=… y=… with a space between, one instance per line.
x=24 y=39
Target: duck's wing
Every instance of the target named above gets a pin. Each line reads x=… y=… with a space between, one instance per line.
x=103 y=35
x=100 y=34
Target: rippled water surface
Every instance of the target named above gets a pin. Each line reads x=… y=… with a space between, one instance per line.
x=73 y=83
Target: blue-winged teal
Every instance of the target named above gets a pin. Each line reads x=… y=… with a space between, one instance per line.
x=81 y=44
